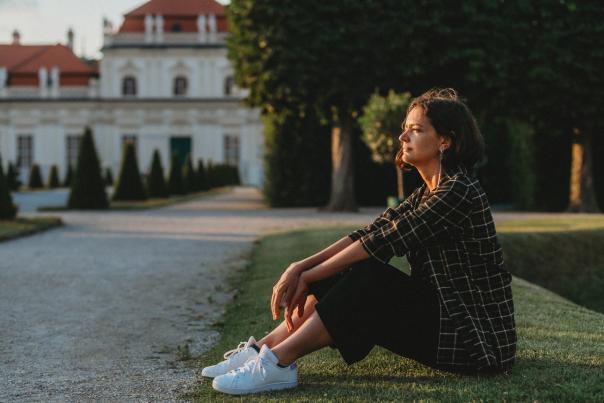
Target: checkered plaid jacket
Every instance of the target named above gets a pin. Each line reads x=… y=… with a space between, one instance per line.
x=449 y=239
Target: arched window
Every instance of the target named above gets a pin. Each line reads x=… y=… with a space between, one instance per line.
x=180 y=85
x=228 y=85
x=129 y=85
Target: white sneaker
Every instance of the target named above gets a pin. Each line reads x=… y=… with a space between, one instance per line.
x=258 y=375
x=233 y=359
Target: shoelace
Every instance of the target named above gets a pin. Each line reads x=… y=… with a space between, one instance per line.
x=253 y=366
x=234 y=351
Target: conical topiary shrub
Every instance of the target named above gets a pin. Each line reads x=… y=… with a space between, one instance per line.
x=202 y=183
x=8 y=210
x=210 y=175
x=156 y=182
x=108 y=177
x=53 y=177
x=188 y=174
x=175 y=182
x=88 y=187
x=35 y=179
x=68 y=176
x=12 y=177
x=129 y=184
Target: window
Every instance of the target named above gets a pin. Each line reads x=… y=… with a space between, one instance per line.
x=180 y=85
x=73 y=147
x=231 y=150
x=25 y=151
x=176 y=27
x=129 y=139
x=129 y=85
x=228 y=85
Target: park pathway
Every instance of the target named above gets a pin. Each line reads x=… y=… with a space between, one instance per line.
x=95 y=310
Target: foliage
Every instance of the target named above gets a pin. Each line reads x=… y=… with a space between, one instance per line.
x=53 y=177
x=35 y=178
x=189 y=175
x=202 y=181
x=8 y=210
x=108 y=177
x=68 y=176
x=12 y=177
x=381 y=124
x=129 y=183
x=175 y=180
x=88 y=187
x=156 y=182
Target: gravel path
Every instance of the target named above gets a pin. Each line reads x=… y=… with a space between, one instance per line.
x=95 y=310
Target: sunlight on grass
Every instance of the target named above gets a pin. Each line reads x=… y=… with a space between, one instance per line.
x=553 y=224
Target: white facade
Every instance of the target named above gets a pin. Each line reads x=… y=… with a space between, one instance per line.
x=166 y=91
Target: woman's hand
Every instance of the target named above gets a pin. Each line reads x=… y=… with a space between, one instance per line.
x=284 y=289
x=298 y=300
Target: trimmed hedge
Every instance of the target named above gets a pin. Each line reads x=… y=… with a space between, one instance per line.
x=35 y=178
x=129 y=184
x=53 y=177
x=8 y=210
x=156 y=182
x=175 y=180
x=88 y=186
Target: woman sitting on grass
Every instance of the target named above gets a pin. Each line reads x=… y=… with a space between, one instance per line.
x=455 y=312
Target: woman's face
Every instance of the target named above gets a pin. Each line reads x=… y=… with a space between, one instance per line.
x=419 y=140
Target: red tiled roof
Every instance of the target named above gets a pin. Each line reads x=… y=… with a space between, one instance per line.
x=23 y=62
x=175 y=12
x=178 y=8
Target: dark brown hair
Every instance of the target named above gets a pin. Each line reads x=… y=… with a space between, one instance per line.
x=451 y=118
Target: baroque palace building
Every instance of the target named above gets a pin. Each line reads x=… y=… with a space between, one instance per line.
x=164 y=82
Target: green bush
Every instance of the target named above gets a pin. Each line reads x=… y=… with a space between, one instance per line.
x=108 y=177
x=156 y=182
x=88 y=187
x=68 y=176
x=129 y=183
x=210 y=175
x=202 y=182
x=35 y=178
x=8 y=210
x=12 y=177
x=189 y=176
x=175 y=181
x=53 y=177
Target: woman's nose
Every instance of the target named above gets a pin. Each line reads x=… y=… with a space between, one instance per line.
x=403 y=136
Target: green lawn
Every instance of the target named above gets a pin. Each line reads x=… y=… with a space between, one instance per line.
x=560 y=349
x=26 y=226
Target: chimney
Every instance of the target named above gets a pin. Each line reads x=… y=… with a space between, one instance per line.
x=148 y=28
x=16 y=37
x=201 y=28
x=70 y=38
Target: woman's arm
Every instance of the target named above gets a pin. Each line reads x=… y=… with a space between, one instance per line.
x=323 y=255
x=348 y=256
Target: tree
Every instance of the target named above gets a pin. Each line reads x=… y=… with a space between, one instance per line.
x=35 y=178
x=202 y=183
x=189 y=176
x=381 y=124
x=156 y=182
x=68 y=176
x=12 y=177
x=8 y=210
x=329 y=56
x=88 y=187
x=175 y=182
x=108 y=177
x=129 y=184
x=53 y=177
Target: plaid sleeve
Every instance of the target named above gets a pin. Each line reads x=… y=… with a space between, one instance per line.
x=440 y=215
x=387 y=216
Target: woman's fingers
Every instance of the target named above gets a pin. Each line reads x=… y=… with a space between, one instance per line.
x=288 y=319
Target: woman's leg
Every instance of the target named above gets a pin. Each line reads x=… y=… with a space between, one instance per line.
x=280 y=333
x=311 y=336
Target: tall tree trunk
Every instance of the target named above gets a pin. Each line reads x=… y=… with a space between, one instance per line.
x=582 y=193
x=342 y=197
x=399 y=183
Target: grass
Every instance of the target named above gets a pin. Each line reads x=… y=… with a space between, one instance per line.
x=560 y=348
x=561 y=254
x=26 y=226
x=150 y=203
